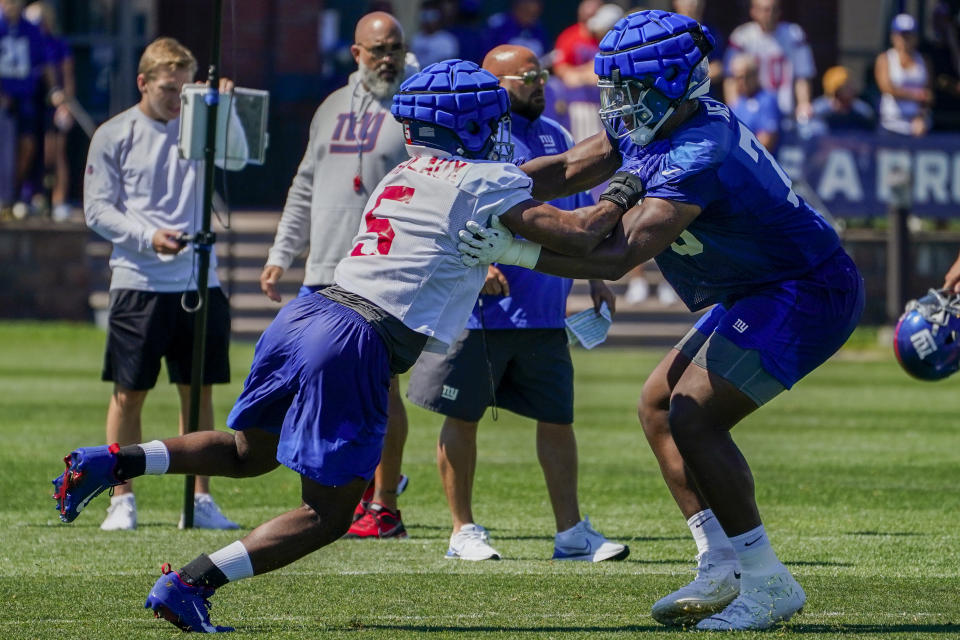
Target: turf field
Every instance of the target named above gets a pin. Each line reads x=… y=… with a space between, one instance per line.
x=857 y=472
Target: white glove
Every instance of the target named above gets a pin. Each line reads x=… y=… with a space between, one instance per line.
x=495 y=244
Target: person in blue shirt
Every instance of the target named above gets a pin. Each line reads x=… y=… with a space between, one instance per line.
x=754 y=106
x=727 y=231
x=520 y=26
x=514 y=355
x=23 y=66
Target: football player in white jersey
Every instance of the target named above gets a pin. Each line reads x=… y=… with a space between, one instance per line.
x=353 y=143
x=316 y=396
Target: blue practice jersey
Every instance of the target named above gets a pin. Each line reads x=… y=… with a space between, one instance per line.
x=753 y=229
x=23 y=54
x=536 y=300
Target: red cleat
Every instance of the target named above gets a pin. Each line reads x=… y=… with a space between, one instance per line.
x=378 y=522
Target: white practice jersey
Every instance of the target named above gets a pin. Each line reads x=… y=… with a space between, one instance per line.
x=405 y=257
x=352 y=135
x=782 y=57
x=136 y=183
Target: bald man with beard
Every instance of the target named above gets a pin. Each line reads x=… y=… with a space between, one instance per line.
x=514 y=355
x=354 y=142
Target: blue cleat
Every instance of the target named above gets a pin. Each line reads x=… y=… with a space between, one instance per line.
x=181 y=604
x=90 y=470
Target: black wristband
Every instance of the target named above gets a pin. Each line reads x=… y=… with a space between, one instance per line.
x=624 y=190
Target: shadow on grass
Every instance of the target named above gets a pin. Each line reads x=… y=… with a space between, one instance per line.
x=951 y=630
x=435 y=628
x=884 y=533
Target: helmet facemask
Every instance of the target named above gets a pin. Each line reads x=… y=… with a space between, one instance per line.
x=632 y=107
x=501 y=141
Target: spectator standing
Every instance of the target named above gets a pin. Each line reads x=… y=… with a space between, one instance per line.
x=58 y=120
x=433 y=43
x=515 y=341
x=943 y=53
x=576 y=72
x=353 y=143
x=754 y=106
x=23 y=65
x=462 y=19
x=839 y=109
x=575 y=47
x=141 y=196
x=783 y=57
x=520 y=26
x=694 y=9
x=904 y=82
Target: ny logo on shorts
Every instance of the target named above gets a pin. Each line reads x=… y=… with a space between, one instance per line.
x=449 y=393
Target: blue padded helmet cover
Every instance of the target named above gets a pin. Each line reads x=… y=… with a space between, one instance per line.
x=457 y=95
x=657 y=47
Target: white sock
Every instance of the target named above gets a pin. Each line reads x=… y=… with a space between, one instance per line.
x=158 y=458
x=234 y=561
x=124 y=497
x=755 y=553
x=708 y=534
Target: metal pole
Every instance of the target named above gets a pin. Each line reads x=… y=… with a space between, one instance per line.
x=898 y=238
x=203 y=245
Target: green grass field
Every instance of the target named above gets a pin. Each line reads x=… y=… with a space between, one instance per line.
x=857 y=473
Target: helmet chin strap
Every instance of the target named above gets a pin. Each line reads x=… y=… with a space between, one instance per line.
x=642 y=135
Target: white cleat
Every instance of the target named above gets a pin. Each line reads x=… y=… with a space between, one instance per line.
x=582 y=542
x=207 y=515
x=121 y=514
x=716 y=585
x=773 y=600
x=472 y=542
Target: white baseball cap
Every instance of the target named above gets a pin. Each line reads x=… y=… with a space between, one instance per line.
x=903 y=23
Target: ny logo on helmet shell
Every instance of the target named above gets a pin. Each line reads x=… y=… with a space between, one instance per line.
x=924 y=343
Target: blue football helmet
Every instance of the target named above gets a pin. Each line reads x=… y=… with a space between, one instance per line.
x=648 y=64
x=926 y=337
x=456 y=107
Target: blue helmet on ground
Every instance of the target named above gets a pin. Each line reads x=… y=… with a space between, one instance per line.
x=456 y=107
x=927 y=338
x=648 y=64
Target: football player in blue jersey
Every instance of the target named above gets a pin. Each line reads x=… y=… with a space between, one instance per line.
x=727 y=230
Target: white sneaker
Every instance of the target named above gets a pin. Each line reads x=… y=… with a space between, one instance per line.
x=716 y=585
x=61 y=212
x=637 y=291
x=121 y=514
x=472 y=542
x=775 y=599
x=666 y=295
x=207 y=515
x=581 y=542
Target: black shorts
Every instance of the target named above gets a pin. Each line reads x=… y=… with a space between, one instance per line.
x=147 y=326
x=531 y=368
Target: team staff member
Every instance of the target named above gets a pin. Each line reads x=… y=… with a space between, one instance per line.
x=353 y=143
x=140 y=195
x=529 y=359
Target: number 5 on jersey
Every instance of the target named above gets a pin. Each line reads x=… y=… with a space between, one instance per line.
x=381 y=226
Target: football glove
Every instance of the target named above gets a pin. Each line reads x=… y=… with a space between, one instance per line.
x=483 y=245
x=624 y=190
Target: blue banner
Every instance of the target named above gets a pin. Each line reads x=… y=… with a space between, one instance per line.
x=851 y=175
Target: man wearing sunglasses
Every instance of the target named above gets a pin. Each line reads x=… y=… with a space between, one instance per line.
x=354 y=142
x=514 y=355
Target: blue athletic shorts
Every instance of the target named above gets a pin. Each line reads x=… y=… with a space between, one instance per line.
x=319 y=379
x=795 y=325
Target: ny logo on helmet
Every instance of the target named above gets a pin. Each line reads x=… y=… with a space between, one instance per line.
x=924 y=343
